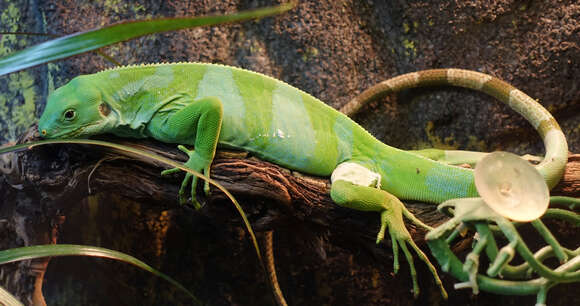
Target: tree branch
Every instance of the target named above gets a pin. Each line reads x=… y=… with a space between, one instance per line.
x=273 y=197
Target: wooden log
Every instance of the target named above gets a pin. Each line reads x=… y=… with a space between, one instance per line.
x=273 y=197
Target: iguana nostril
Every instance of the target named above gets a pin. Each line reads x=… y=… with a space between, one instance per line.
x=43 y=132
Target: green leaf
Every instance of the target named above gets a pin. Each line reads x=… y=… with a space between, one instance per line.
x=86 y=41
x=51 y=250
x=151 y=156
x=8 y=299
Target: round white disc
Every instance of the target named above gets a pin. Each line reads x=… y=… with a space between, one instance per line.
x=511 y=186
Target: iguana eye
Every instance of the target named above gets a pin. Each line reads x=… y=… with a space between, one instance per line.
x=69 y=114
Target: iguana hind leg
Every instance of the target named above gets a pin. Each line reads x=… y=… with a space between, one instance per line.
x=348 y=194
x=461 y=157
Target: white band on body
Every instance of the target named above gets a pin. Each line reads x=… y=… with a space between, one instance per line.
x=356 y=174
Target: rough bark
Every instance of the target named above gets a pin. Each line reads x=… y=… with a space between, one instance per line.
x=273 y=197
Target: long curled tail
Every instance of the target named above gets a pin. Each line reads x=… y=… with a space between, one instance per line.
x=554 y=162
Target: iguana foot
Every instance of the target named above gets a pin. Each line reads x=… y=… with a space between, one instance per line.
x=195 y=163
x=392 y=210
x=400 y=237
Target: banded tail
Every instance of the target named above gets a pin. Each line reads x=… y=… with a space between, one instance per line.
x=554 y=163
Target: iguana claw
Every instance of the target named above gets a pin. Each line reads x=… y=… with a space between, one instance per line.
x=195 y=163
x=400 y=237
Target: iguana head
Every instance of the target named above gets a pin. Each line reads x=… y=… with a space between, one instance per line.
x=75 y=110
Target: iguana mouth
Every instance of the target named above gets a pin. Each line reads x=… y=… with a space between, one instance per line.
x=76 y=132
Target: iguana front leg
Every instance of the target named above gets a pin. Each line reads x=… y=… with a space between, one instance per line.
x=346 y=192
x=201 y=119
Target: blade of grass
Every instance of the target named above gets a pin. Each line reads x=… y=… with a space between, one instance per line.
x=53 y=250
x=8 y=299
x=99 y=52
x=152 y=156
x=86 y=41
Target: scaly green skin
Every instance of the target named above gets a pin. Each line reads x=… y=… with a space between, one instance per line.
x=209 y=106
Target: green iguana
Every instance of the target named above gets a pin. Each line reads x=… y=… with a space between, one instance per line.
x=209 y=106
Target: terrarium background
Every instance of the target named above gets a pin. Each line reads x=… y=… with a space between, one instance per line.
x=333 y=50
